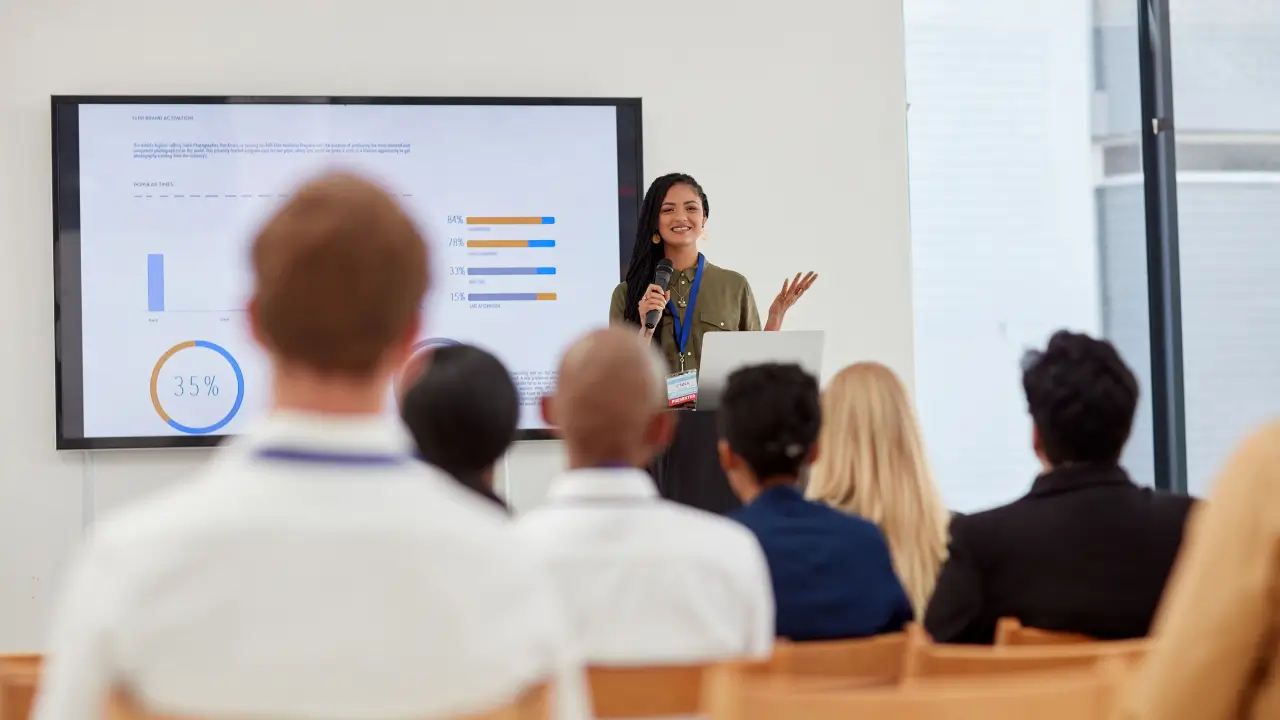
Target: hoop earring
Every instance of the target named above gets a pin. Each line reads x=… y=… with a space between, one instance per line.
x=657 y=239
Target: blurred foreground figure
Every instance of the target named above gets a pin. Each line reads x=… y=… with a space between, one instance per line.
x=314 y=569
x=1216 y=649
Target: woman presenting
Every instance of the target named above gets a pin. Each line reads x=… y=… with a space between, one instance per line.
x=701 y=297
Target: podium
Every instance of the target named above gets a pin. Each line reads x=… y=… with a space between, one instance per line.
x=689 y=471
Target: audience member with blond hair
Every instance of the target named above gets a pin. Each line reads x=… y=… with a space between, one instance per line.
x=314 y=569
x=873 y=465
x=1216 y=649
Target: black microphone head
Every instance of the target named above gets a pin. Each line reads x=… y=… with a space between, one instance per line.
x=662 y=274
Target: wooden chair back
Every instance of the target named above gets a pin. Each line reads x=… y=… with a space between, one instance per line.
x=927 y=660
x=875 y=657
x=1071 y=695
x=1011 y=631
x=533 y=704
x=653 y=691
x=19 y=680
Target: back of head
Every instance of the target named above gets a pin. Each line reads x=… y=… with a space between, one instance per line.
x=610 y=390
x=873 y=465
x=340 y=271
x=770 y=417
x=462 y=411
x=1082 y=398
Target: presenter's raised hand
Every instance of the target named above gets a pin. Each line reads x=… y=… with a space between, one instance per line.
x=791 y=291
x=654 y=299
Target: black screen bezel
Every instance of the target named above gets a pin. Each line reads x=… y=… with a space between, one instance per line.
x=65 y=124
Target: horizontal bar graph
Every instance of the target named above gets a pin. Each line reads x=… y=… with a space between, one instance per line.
x=511 y=271
x=155 y=282
x=511 y=220
x=509 y=297
x=511 y=243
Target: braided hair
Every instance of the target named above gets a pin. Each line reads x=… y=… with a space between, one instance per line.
x=646 y=254
x=1082 y=398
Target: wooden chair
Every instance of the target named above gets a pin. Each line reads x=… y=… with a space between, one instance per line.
x=1011 y=631
x=652 y=691
x=879 y=657
x=533 y=704
x=928 y=660
x=1070 y=695
x=19 y=680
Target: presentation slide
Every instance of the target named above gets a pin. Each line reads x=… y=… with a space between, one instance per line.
x=519 y=202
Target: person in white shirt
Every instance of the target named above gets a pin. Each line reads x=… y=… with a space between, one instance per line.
x=644 y=580
x=314 y=569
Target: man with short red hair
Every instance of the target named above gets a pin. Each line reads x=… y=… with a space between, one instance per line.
x=314 y=569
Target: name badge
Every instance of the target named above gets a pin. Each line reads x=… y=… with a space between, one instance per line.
x=682 y=388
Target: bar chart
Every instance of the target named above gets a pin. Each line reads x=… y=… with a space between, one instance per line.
x=219 y=290
x=510 y=269
x=510 y=220
x=509 y=297
x=511 y=244
x=155 y=282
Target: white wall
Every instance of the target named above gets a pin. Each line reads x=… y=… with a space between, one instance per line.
x=1004 y=236
x=791 y=115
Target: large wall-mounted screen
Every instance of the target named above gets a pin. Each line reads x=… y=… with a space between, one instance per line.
x=529 y=206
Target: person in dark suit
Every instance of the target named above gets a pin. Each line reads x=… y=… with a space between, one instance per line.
x=832 y=574
x=1086 y=550
x=463 y=410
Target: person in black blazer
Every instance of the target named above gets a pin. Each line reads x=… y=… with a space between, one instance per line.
x=1086 y=550
x=831 y=573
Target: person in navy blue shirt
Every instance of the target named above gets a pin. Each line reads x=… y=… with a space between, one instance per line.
x=832 y=574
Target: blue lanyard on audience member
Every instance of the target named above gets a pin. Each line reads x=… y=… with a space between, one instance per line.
x=682 y=326
x=315 y=457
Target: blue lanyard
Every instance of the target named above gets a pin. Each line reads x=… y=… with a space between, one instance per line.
x=311 y=457
x=682 y=326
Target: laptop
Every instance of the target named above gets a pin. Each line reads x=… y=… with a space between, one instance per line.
x=725 y=352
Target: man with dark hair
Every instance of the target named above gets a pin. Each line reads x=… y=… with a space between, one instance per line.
x=463 y=411
x=832 y=573
x=314 y=568
x=1086 y=550
x=645 y=580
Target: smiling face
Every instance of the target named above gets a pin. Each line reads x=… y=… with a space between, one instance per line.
x=681 y=216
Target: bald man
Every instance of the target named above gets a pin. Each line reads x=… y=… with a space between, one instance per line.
x=643 y=580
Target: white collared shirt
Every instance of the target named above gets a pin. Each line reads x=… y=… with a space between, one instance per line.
x=313 y=570
x=649 y=581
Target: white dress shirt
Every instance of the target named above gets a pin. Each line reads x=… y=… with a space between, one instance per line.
x=313 y=570
x=649 y=581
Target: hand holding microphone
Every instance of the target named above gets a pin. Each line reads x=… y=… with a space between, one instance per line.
x=656 y=296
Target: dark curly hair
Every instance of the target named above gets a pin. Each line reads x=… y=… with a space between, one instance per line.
x=646 y=254
x=1082 y=398
x=770 y=415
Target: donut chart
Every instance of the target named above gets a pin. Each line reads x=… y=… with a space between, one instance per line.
x=433 y=343
x=155 y=392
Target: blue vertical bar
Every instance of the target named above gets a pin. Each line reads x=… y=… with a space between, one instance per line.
x=155 y=282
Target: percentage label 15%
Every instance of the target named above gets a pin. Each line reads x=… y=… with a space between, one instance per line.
x=195 y=386
x=457 y=297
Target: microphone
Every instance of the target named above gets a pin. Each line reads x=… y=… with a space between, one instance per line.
x=661 y=278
